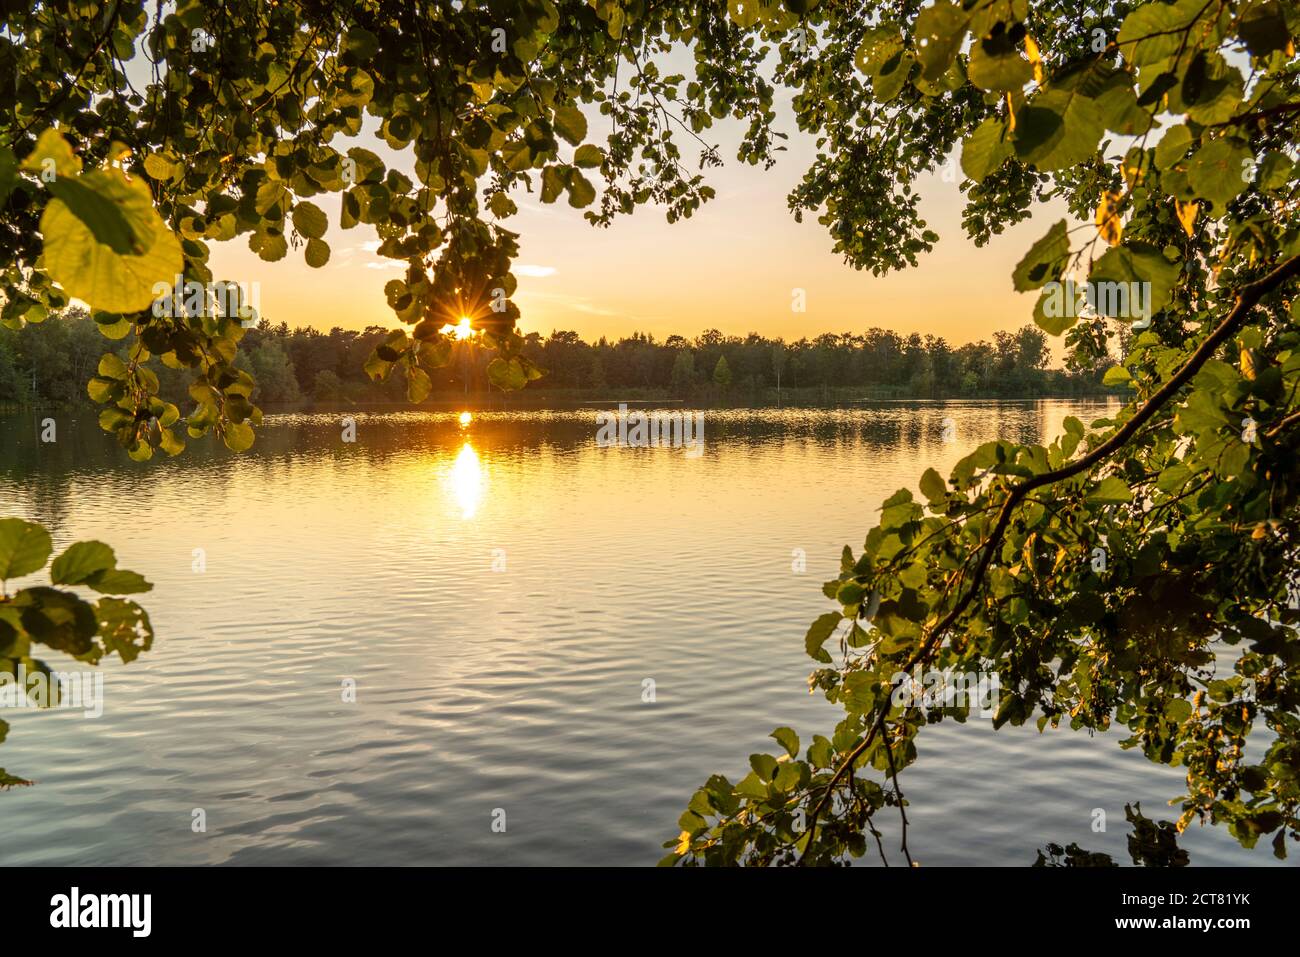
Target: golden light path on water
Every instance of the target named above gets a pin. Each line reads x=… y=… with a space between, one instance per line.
x=467 y=480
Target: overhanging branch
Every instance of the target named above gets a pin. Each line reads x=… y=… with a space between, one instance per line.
x=1247 y=298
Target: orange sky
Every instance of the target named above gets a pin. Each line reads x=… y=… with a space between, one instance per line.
x=732 y=267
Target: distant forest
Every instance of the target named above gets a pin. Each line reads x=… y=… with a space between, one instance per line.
x=51 y=364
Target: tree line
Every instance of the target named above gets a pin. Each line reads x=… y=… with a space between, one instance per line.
x=50 y=363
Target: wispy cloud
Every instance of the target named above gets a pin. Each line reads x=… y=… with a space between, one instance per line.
x=594 y=310
x=530 y=270
x=575 y=303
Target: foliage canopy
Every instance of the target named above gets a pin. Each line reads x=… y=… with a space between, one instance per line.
x=1165 y=130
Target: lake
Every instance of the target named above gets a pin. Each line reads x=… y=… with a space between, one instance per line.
x=499 y=594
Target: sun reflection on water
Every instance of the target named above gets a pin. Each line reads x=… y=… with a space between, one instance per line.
x=467 y=481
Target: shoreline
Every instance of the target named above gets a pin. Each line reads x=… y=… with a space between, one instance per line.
x=581 y=400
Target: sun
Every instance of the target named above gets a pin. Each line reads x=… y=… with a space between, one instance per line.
x=462 y=330
x=466 y=418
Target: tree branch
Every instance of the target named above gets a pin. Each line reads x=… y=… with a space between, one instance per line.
x=1247 y=298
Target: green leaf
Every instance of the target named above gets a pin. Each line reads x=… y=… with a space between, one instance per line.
x=1219 y=171
x=1275 y=171
x=436 y=353
x=787 y=739
x=996 y=65
x=80 y=561
x=985 y=150
x=821 y=753
x=859 y=692
x=310 y=220
x=170 y=442
x=361 y=43
x=140 y=451
x=1116 y=375
x=111 y=366
x=940 y=30
x=1211 y=90
x=1172 y=146
x=818 y=632
x=791 y=775
x=52 y=147
x=1154 y=31
x=1263 y=28
x=24 y=548
x=571 y=124
x=1111 y=491
x=94 y=271
x=1010 y=708
x=849 y=593
x=553 y=183
x=114 y=418
x=1133 y=262
x=1178 y=710
x=1058 y=129
x=1056 y=311
x=101 y=215
x=370 y=168
x=581 y=192
x=1045 y=260
x=118 y=581
x=238 y=436
x=58 y=619
x=418 y=385
x=1117 y=106
x=588 y=156
x=103 y=390
x=933 y=487
x=752 y=786
x=317 y=253
x=8 y=780
x=1202 y=412
x=112 y=326
x=889 y=65
x=381 y=360
x=161 y=167
x=508 y=375
x=124 y=628
x=764 y=765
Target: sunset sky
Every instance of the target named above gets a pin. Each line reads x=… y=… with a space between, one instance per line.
x=732 y=266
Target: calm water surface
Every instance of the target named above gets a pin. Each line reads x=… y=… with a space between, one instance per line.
x=516 y=689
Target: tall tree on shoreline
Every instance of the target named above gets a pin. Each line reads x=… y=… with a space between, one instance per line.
x=722 y=374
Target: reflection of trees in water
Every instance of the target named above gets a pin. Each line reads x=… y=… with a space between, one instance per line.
x=43 y=475
x=1151 y=844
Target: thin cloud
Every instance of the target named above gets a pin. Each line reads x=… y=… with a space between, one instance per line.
x=531 y=270
x=575 y=303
